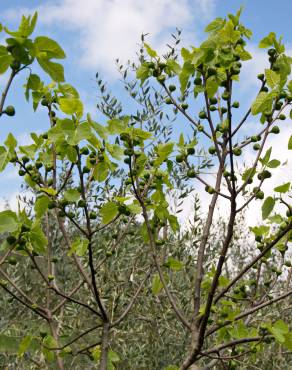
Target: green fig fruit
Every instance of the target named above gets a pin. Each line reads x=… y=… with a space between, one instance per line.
x=191 y=173
x=212 y=150
x=202 y=115
x=9 y=110
x=275 y=130
x=198 y=81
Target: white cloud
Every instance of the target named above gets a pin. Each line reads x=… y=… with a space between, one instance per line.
x=107 y=29
x=13 y=200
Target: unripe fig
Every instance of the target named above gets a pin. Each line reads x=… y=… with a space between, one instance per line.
x=10 y=110
x=212 y=150
x=275 y=130
x=191 y=173
x=202 y=115
x=190 y=151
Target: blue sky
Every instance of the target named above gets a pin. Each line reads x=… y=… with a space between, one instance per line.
x=94 y=32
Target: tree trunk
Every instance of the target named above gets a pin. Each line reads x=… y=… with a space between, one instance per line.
x=104 y=347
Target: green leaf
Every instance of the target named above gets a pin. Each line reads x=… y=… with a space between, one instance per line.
x=248 y=173
x=4 y=158
x=267 y=156
x=8 y=222
x=71 y=106
x=267 y=207
x=142 y=73
x=72 y=195
x=54 y=70
x=290 y=143
x=5 y=59
x=8 y=344
x=50 y=47
x=267 y=41
x=33 y=82
x=223 y=281
x=108 y=212
x=49 y=191
x=38 y=239
x=134 y=208
x=288 y=341
x=156 y=284
x=279 y=329
x=173 y=223
x=101 y=171
x=260 y=230
x=96 y=352
x=273 y=79
x=10 y=142
x=24 y=345
x=282 y=188
x=116 y=126
x=215 y=25
x=49 y=342
x=173 y=66
x=152 y=53
x=41 y=206
x=262 y=103
x=274 y=163
x=26 y=27
x=186 y=72
x=211 y=87
x=79 y=247
x=174 y=264
x=113 y=356
x=228 y=33
x=164 y=150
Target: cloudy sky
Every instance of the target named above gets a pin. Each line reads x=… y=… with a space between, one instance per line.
x=94 y=33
